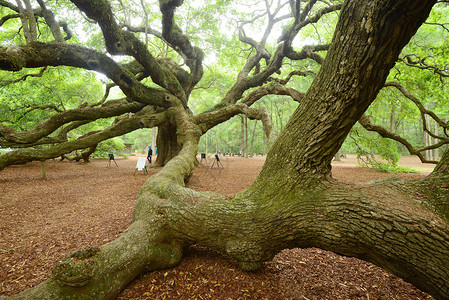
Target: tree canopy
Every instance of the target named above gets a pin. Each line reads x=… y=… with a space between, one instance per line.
x=81 y=72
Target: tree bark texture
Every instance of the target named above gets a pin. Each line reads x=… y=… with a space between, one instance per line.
x=370 y=37
x=167 y=144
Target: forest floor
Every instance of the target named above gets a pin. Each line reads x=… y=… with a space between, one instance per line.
x=42 y=220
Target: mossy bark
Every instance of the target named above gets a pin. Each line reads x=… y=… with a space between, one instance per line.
x=167 y=144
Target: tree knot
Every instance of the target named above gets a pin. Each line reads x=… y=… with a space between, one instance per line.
x=76 y=269
x=249 y=255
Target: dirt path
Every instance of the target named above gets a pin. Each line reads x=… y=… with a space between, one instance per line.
x=79 y=204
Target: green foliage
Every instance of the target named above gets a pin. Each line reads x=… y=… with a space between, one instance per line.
x=140 y=139
x=390 y=168
x=114 y=145
x=367 y=145
x=392 y=109
x=217 y=36
x=59 y=88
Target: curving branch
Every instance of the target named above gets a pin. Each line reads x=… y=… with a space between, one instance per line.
x=51 y=22
x=442 y=25
x=142 y=29
x=422 y=109
x=259 y=46
x=122 y=42
x=245 y=82
x=146 y=118
x=413 y=60
x=193 y=56
x=23 y=78
x=273 y=88
x=289 y=34
x=308 y=52
x=8 y=17
x=67 y=31
x=107 y=110
x=366 y=123
x=210 y=119
x=35 y=55
x=85 y=155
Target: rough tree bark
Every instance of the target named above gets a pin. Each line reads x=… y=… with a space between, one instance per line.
x=167 y=144
x=294 y=202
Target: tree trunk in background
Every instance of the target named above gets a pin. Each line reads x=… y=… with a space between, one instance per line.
x=167 y=144
x=242 y=135
x=279 y=117
x=153 y=139
x=392 y=120
x=426 y=140
x=432 y=126
x=337 y=156
x=264 y=143
x=207 y=144
x=252 y=138
x=216 y=141
x=246 y=137
x=436 y=155
x=43 y=169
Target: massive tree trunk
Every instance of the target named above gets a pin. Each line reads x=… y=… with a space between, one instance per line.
x=294 y=202
x=167 y=144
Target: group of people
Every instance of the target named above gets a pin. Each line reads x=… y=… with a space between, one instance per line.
x=150 y=153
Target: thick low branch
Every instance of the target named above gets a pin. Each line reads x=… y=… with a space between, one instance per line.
x=102 y=272
x=146 y=118
x=35 y=55
x=107 y=110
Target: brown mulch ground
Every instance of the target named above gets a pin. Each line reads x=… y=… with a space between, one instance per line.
x=42 y=220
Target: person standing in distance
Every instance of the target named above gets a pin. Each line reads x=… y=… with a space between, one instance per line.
x=150 y=153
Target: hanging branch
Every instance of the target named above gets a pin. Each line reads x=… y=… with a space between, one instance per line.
x=366 y=123
x=443 y=140
x=413 y=60
x=109 y=109
x=24 y=77
x=422 y=109
x=210 y=119
x=442 y=25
